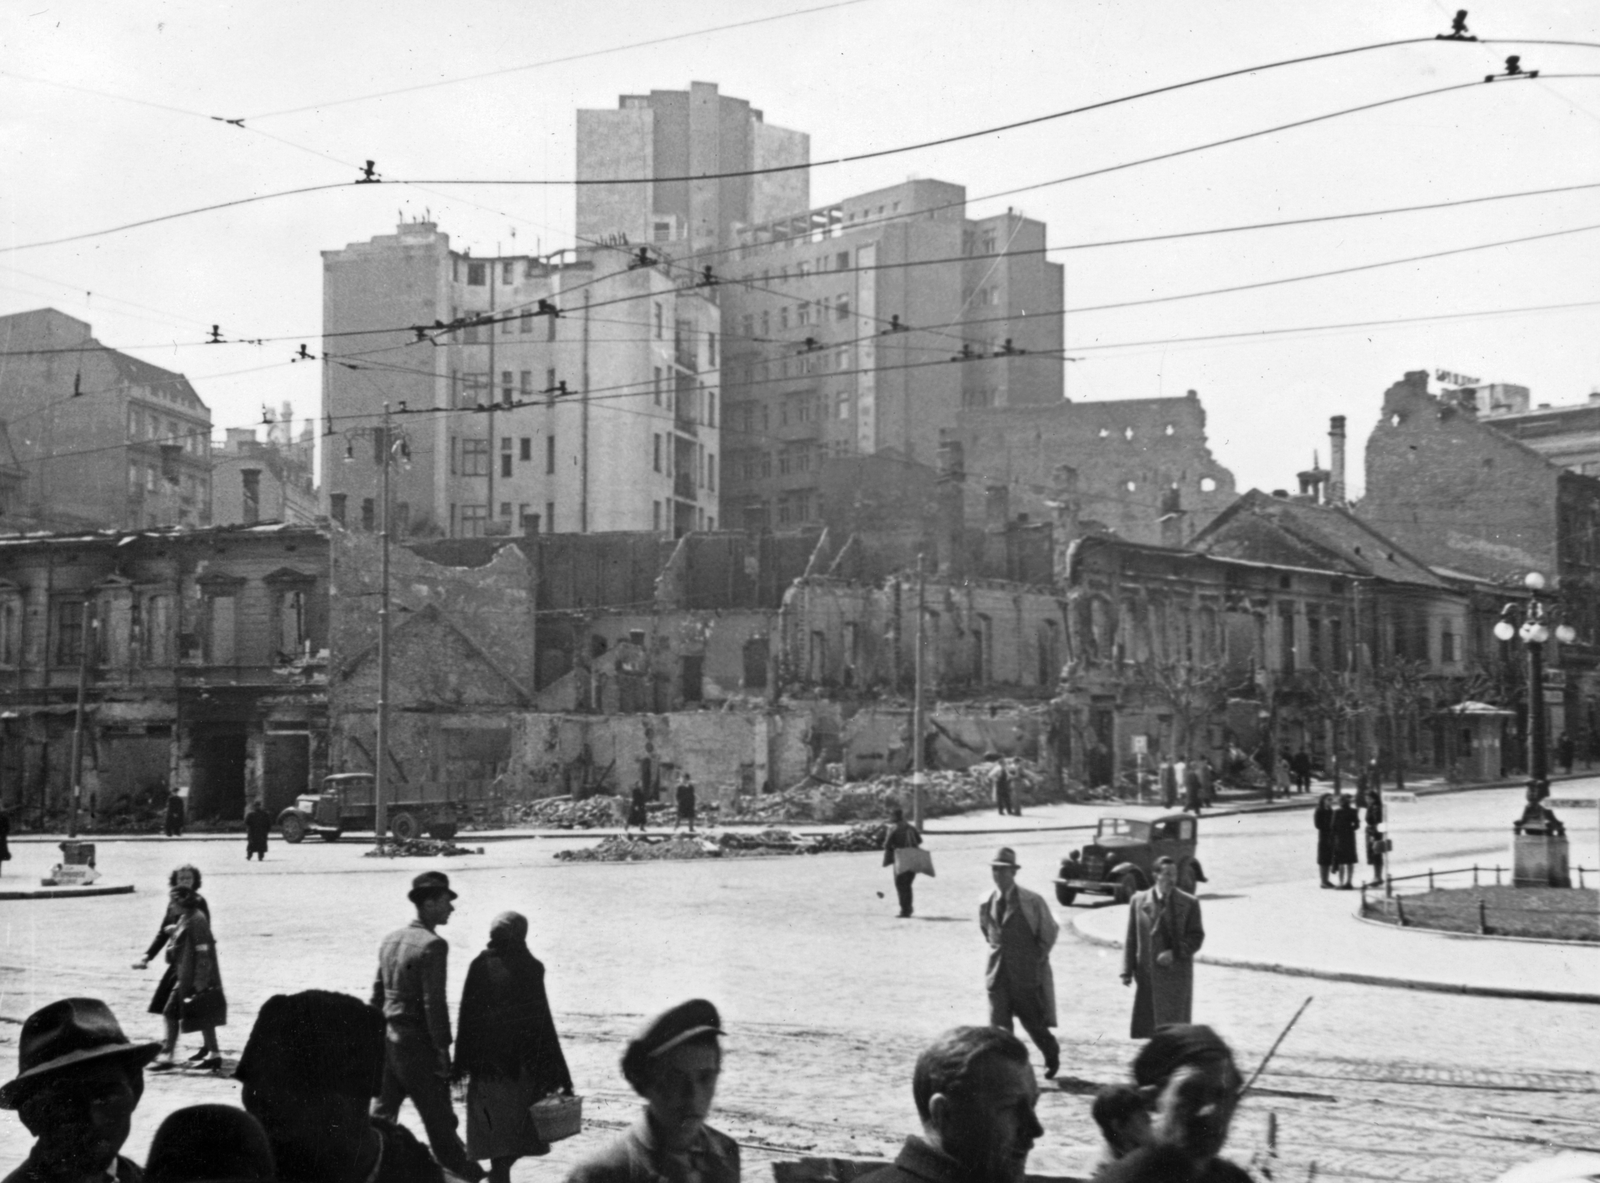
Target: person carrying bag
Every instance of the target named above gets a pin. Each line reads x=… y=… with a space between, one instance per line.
x=902 y=850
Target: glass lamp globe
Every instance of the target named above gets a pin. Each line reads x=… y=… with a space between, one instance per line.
x=1533 y=581
x=1537 y=633
x=1566 y=634
x=1505 y=630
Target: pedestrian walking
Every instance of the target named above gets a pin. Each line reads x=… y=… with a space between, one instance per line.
x=1322 y=819
x=1346 y=824
x=1164 y=934
x=413 y=971
x=1180 y=778
x=1191 y=1084
x=507 y=1048
x=196 y=1002
x=1300 y=765
x=976 y=1100
x=1208 y=782
x=78 y=1082
x=902 y=834
x=685 y=802
x=184 y=878
x=172 y=823
x=1169 y=783
x=673 y=1063
x=1002 y=788
x=1377 y=838
x=638 y=810
x=5 y=834
x=313 y=1064
x=1283 y=775
x=1191 y=788
x=257 y=825
x=1021 y=933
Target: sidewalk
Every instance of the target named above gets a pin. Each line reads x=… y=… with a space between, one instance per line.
x=1327 y=940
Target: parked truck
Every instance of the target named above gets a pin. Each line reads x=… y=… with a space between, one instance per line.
x=348 y=801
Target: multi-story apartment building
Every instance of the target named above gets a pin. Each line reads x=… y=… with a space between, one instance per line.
x=562 y=395
x=668 y=136
x=866 y=327
x=104 y=440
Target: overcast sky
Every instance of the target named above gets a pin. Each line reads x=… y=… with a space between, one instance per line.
x=857 y=77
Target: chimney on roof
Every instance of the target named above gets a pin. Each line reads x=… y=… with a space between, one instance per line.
x=1336 y=460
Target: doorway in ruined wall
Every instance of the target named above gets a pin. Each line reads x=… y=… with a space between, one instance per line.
x=691 y=673
x=757 y=651
x=218 y=752
x=288 y=768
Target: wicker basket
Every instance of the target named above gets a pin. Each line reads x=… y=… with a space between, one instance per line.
x=557 y=1117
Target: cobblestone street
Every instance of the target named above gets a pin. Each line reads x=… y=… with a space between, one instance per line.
x=829 y=997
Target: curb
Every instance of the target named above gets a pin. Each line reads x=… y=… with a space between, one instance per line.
x=1475 y=936
x=65 y=893
x=1331 y=975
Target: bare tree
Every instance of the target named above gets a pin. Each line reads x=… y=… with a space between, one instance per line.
x=1400 y=691
x=1193 y=691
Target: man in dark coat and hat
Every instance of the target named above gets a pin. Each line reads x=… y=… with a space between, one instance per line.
x=1164 y=934
x=1021 y=932
x=312 y=1065
x=257 y=825
x=78 y=1081
x=413 y=967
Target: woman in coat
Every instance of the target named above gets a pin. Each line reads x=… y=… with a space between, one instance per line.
x=1322 y=818
x=507 y=1047
x=196 y=1002
x=1346 y=824
x=1376 y=841
x=187 y=878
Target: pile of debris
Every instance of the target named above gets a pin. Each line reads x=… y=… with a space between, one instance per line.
x=564 y=813
x=427 y=847
x=946 y=792
x=634 y=848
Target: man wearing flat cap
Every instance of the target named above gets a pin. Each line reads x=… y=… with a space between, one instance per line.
x=1021 y=932
x=312 y=1065
x=78 y=1082
x=413 y=968
x=673 y=1063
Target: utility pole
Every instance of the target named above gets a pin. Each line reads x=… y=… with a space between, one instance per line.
x=918 y=723
x=380 y=784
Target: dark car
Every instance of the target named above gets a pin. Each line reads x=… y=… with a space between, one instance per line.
x=1121 y=858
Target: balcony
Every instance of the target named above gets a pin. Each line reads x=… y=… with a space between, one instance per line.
x=683 y=486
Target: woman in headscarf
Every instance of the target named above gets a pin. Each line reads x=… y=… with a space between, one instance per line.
x=507 y=1047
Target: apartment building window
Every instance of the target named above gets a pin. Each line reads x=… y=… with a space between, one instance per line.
x=453 y=451
x=766 y=465
x=660 y=322
x=766 y=417
x=1447 y=644
x=550 y=327
x=550 y=516
x=747 y=325
x=1313 y=641
x=766 y=326
x=802 y=313
x=470 y=335
x=711 y=408
x=506 y=274
x=526 y=444
x=505 y=327
x=69 y=631
x=844 y=404
x=1336 y=642
x=369 y=514
x=525 y=321
x=220 y=628
x=783 y=316
x=550 y=454
x=156 y=630
x=657 y=441
x=525 y=383
x=507 y=390
x=475 y=457
x=655 y=516
x=655 y=385
x=711 y=472
x=523 y=515
x=1286 y=646
x=476 y=275
x=473 y=520
x=505 y=457
x=505 y=509
x=711 y=350
x=336 y=506
x=843 y=261
x=989 y=242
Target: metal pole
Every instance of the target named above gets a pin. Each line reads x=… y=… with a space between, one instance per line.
x=1538 y=755
x=918 y=723
x=381 y=780
x=85 y=636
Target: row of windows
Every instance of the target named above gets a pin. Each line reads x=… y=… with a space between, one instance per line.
x=145 y=424
x=806 y=312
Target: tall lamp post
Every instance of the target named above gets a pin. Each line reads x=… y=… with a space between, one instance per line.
x=1535 y=620
x=388 y=448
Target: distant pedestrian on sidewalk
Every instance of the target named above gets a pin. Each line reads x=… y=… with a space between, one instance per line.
x=1377 y=839
x=901 y=834
x=1164 y=934
x=172 y=823
x=1002 y=787
x=1193 y=791
x=1300 y=765
x=686 y=802
x=638 y=811
x=1021 y=932
x=257 y=825
x=1346 y=824
x=1283 y=775
x=1169 y=784
x=1322 y=819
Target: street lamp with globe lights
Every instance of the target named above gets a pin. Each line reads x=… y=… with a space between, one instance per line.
x=1535 y=620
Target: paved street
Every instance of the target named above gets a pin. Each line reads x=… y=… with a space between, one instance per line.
x=829 y=996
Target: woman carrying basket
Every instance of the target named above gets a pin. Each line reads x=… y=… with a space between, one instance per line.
x=508 y=1049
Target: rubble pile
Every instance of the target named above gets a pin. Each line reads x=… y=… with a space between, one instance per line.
x=427 y=847
x=563 y=813
x=732 y=844
x=946 y=792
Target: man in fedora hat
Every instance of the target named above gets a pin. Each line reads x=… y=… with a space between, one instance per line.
x=1021 y=932
x=413 y=966
x=78 y=1082
x=673 y=1063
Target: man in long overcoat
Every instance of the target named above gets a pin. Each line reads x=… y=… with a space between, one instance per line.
x=1021 y=932
x=1164 y=934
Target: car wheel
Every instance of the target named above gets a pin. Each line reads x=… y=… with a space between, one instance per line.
x=403 y=826
x=1127 y=884
x=293 y=829
x=1065 y=895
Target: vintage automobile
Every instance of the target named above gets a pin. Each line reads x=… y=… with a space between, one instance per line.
x=1121 y=858
x=348 y=802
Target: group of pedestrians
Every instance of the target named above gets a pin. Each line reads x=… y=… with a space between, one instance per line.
x=1338 y=822
x=1194 y=782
